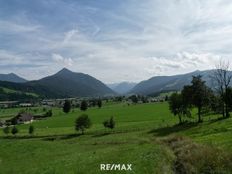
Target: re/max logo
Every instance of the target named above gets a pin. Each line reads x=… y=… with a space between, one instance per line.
x=125 y=167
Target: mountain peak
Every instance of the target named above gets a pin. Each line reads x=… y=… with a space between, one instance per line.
x=12 y=74
x=64 y=71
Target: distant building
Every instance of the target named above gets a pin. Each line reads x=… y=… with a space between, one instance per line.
x=25 y=104
x=22 y=118
x=48 y=102
x=8 y=104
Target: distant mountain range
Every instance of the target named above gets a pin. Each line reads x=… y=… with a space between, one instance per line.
x=12 y=78
x=65 y=83
x=121 y=88
x=160 y=84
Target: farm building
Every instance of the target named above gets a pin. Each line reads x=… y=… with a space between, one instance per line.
x=22 y=118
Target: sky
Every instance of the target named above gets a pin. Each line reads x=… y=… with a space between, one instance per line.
x=114 y=40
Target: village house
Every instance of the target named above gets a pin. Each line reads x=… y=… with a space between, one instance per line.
x=22 y=118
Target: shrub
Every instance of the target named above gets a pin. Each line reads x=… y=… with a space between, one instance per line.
x=14 y=130
x=48 y=113
x=6 y=130
x=197 y=158
x=109 y=123
x=31 y=129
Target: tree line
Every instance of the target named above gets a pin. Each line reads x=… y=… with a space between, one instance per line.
x=83 y=105
x=215 y=100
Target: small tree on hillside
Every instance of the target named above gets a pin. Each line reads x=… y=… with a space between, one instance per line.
x=6 y=130
x=99 y=103
x=31 y=129
x=82 y=122
x=84 y=105
x=109 y=123
x=67 y=106
x=14 y=130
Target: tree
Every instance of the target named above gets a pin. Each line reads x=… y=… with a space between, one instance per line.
x=99 y=103
x=134 y=98
x=67 y=106
x=199 y=95
x=14 y=130
x=109 y=123
x=31 y=129
x=105 y=123
x=48 y=113
x=229 y=98
x=178 y=107
x=166 y=98
x=222 y=78
x=84 y=105
x=216 y=104
x=6 y=130
x=82 y=122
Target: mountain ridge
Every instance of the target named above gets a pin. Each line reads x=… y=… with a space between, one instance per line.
x=158 y=84
x=64 y=83
x=12 y=77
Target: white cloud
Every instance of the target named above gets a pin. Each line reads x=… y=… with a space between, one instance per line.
x=66 y=62
x=69 y=35
x=130 y=42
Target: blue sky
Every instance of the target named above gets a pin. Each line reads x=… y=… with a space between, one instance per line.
x=123 y=40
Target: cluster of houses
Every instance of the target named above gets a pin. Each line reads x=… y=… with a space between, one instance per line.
x=12 y=104
x=46 y=102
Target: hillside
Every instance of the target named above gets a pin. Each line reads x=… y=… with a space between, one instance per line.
x=7 y=94
x=121 y=88
x=146 y=136
x=12 y=78
x=65 y=83
x=159 y=84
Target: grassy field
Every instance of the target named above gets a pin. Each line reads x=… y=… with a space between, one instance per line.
x=139 y=139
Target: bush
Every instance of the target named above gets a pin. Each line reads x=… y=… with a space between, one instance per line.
x=109 y=123
x=82 y=122
x=196 y=158
x=14 y=130
x=6 y=130
x=31 y=129
x=48 y=113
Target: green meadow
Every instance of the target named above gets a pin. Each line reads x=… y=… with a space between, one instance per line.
x=144 y=136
